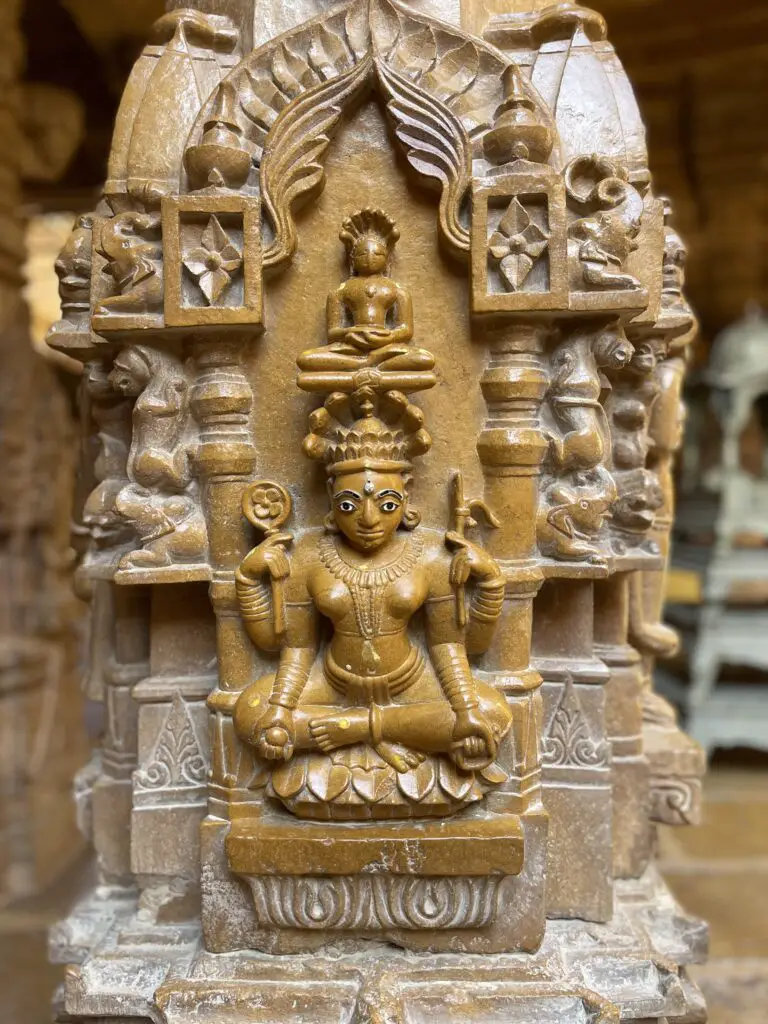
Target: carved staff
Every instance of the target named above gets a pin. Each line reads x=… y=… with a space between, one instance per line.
x=463 y=519
x=267 y=506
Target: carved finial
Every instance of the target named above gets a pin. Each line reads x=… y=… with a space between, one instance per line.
x=517 y=133
x=220 y=159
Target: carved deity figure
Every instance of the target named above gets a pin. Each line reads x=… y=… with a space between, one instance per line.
x=375 y=722
x=159 y=500
x=130 y=242
x=370 y=316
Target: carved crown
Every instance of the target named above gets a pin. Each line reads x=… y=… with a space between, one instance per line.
x=388 y=435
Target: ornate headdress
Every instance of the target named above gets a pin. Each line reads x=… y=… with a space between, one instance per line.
x=367 y=431
x=369 y=223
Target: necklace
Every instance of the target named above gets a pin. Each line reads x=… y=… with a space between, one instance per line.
x=366 y=585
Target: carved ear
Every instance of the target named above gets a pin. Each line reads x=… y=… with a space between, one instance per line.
x=411 y=517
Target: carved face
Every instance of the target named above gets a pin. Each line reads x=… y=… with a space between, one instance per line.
x=370 y=256
x=647 y=355
x=368 y=507
x=674 y=263
x=613 y=350
x=129 y=374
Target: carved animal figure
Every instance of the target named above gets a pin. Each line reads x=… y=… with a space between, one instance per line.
x=73 y=269
x=130 y=242
x=571 y=515
x=574 y=394
x=160 y=501
x=605 y=235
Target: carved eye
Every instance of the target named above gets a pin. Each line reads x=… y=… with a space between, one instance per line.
x=346 y=506
x=389 y=506
x=584 y=505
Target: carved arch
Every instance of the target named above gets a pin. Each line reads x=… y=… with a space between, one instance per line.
x=442 y=90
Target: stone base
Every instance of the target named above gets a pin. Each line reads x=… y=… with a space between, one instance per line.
x=631 y=969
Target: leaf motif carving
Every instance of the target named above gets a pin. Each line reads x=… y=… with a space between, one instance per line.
x=292 y=164
x=453 y=73
x=328 y=54
x=437 y=148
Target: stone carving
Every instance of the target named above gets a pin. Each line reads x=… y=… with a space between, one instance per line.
x=130 y=243
x=160 y=500
x=675 y=801
x=374 y=902
x=517 y=243
x=580 y=494
x=370 y=316
x=428 y=727
x=110 y=412
x=366 y=728
x=177 y=761
x=572 y=513
x=214 y=262
x=73 y=269
x=438 y=85
x=605 y=233
x=568 y=742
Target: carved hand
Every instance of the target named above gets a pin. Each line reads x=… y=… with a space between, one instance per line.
x=276 y=735
x=474 y=744
x=268 y=557
x=470 y=560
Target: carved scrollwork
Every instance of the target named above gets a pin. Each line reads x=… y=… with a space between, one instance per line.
x=569 y=742
x=374 y=902
x=177 y=760
x=441 y=87
x=675 y=801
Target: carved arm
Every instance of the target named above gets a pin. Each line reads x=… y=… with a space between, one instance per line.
x=404 y=307
x=484 y=612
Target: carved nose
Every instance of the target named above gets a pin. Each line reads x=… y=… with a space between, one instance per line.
x=369 y=515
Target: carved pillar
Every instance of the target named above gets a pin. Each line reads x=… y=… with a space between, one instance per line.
x=369 y=717
x=222 y=401
x=624 y=726
x=512 y=448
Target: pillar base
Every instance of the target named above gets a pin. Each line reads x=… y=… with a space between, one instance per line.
x=633 y=969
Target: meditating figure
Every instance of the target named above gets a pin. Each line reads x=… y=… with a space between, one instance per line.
x=373 y=721
x=370 y=316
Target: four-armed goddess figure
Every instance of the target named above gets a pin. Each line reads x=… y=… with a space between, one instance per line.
x=370 y=718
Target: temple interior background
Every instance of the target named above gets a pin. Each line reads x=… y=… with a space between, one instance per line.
x=700 y=69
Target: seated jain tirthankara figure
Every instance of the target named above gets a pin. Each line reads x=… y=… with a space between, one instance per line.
x=381 y=739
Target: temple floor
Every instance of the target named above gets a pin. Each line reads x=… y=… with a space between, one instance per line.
x=718 y=872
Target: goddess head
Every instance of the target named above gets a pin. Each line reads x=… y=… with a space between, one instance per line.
x=369 y=237
x=368 y=465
